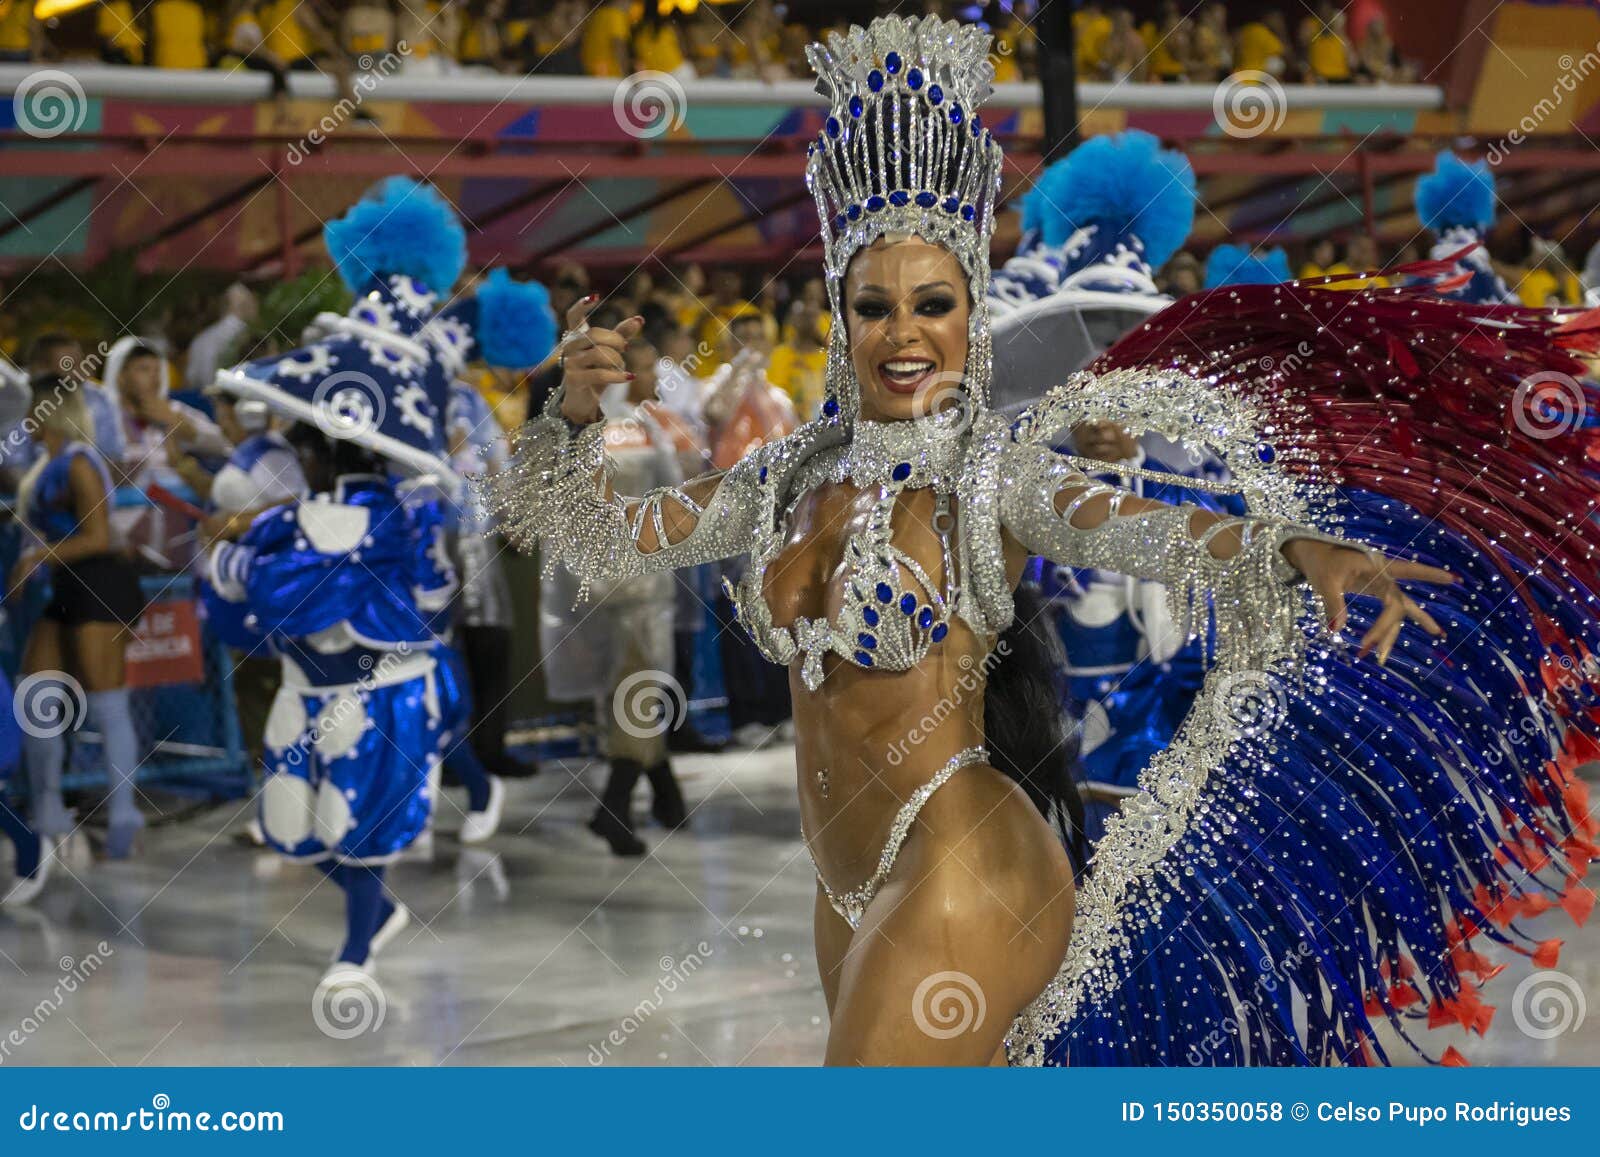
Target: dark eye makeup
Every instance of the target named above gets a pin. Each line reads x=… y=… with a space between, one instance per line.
x=934 y=305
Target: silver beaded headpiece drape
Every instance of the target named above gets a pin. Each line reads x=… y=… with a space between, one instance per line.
x=903 y=150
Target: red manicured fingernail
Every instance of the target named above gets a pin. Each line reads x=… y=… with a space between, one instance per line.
x=631 y=377
x=591 y=297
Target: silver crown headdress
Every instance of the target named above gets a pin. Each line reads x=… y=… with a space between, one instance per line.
x=903 y=150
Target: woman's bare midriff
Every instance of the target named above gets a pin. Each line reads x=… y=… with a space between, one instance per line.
x=867 y=738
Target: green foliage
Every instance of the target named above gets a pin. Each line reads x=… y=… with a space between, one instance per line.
x=289 y=306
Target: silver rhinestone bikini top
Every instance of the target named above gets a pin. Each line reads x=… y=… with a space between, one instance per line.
x=893 y=611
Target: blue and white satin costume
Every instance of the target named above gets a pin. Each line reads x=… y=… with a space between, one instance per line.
x=263 y=470
x=344 y=585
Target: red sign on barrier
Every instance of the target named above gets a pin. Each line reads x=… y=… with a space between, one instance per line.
x=166 y=646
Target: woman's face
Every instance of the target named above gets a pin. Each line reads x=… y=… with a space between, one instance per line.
x=906 y=308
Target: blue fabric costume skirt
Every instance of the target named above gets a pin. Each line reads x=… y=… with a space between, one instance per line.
x=347 y=767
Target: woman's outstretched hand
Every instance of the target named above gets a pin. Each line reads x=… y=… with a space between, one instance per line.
x=1336 y=572
x=591 y=360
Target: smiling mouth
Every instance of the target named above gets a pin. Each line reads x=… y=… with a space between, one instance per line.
x=905 y=375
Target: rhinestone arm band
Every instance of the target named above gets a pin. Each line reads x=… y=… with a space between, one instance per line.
x=556 y=492
x=1249 y=594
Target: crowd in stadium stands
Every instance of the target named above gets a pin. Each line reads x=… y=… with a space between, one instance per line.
x=1162 y=43
x=706 y=332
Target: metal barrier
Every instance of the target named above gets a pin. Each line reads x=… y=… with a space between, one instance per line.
x=181 y=679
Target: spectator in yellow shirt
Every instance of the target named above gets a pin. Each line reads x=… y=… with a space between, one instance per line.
x=118 y=33
x=480 y=33
x=1127 y=58
x=368 y=29
x=1168 y=42
x=1091 y=31
x=178 y=34
x=1548 y=281
x=605 y=40
x=717 y=315
x=657 y=46
x=799 y=364
x=1259 y=47
x=1360 y=255
x=1211 y=53
x=1323 y=256
x=1329 y=57
x=19 y=32
x=283 y=36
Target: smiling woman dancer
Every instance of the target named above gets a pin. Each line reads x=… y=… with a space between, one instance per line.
x=887 y=538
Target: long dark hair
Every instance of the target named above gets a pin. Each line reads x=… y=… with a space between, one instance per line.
x=1024 y=721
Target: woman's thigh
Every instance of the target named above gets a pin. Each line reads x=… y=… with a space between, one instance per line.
x=45 y=650
x=99 y=652
x=833 y=944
